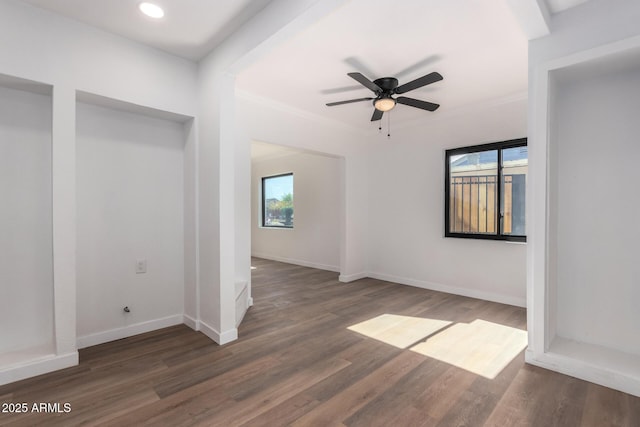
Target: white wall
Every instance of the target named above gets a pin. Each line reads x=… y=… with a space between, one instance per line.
x=579 y=277
x=410 y=167
x=221 y=216
x=314 y=240
x=275 y=123
x=45 y=47
x=598 y=207
x=38 y=45
x=26 y=264
x=130 y=207
x=191 y=291
x=406 y=209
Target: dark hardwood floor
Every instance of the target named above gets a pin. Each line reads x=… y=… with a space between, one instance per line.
x=296 y=363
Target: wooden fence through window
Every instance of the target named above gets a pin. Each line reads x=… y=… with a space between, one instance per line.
x=473 y=207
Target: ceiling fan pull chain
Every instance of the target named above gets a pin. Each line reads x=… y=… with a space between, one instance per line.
x=389 y=125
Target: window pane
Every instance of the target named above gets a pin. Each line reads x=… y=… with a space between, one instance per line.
x=514 y=172
x=472 y=193
x=278 y=201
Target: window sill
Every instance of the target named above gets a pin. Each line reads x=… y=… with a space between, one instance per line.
x=510 y=239
x=274 y=228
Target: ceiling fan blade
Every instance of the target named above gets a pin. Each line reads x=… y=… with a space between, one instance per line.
x=429 y=106
x=331 y=104
x=419 y=82
x=377 y=115
x=365 y=82
x=423 y=63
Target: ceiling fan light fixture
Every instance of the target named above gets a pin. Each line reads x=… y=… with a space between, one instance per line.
x=385 y=103
x=151 y=10
x=385 y=87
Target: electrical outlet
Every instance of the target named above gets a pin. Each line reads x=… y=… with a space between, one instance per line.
x=141 y=266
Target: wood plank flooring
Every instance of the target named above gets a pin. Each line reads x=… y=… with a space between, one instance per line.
x=296 y=363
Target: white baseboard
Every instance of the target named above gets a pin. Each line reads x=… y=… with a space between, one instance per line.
x=37 y=366
x=585 y=371
x=472 y=293
x=346 y=278
x=221 y=338
x=128 y=331
x=242 y=301
x=228 y=336
x=298 y=262
x=191 y=322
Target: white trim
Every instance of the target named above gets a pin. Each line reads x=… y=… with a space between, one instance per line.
x=191 y=322
x=300 y=262
x=472 y=293
x=242 y=297
x=583 y=370
x=128 y=331
x=538 y=219
x=240 y=287
x=346 y=278
x=38 y=366
x=210 y=332
x=64 y=217
x=620 y=46
x=93 y=98
x=221 y=338
x=250 y=302
x=196 y=135
x=228 y=336
x=533 y=16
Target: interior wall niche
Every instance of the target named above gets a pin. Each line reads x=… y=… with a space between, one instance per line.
x=130 y=219
x=592 y=319
x=26 y=236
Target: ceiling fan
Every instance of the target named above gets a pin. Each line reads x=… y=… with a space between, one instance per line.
x=384 y=89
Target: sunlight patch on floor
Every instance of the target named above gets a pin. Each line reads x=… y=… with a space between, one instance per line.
x=481 y=347
x=253 y=268
x=398 y=331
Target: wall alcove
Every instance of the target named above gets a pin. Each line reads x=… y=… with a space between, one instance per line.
x=133 y=181
x=133 y=219
x=584 y=315
x=26 y=230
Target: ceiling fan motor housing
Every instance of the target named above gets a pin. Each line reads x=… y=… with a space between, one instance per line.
x=384 y=101
x=387 y=84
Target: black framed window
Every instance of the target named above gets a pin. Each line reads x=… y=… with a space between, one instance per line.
x=277 y=201
x=485 y=191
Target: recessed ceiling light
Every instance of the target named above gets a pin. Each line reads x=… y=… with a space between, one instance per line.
x=151 y=10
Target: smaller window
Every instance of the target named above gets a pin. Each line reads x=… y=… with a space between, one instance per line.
x=277 y=201
x=485 y=191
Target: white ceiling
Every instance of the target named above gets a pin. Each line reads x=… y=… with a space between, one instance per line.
x=477 y=45
x=190 y=28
